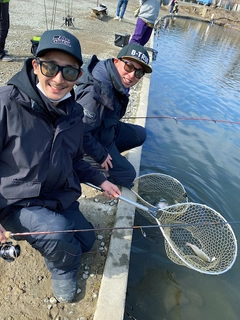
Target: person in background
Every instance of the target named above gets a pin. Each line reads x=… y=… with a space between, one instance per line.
x=103 y=91
x=4 y=27
x=173 y=6
x=41 y=159
x=121 y=8
x=148 y=13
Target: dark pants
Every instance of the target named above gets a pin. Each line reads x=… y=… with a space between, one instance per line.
x=142 y=33
x=4 y=25
x=128 y=136
x=61 y=251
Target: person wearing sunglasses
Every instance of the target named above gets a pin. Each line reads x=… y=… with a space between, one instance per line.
x=103 y=91
x=41 y=159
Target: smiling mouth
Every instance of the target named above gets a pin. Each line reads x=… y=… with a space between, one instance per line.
x=57 y=89
x=126 y=80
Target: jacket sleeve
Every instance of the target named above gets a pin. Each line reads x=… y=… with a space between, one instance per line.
x=86 y=173
x=93 y=114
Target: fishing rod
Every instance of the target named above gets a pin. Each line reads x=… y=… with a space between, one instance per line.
x=68 y=19
x=181 y=119
x=10 y=235
x=52 y=22
x=10 y=252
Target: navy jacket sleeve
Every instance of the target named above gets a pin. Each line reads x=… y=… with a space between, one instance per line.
x=94 y=112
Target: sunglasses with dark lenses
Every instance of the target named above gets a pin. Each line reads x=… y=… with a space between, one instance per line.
x=51 y=69
x=129 y=67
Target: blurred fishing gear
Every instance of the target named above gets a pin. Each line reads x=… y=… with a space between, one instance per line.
x=9 y=252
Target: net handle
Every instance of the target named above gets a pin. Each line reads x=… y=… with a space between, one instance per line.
x=152 y=212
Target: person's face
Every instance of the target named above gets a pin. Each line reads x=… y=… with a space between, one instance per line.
x=128 y=79
x=56 y=87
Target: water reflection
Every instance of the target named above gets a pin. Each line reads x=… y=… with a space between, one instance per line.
x=196 y=75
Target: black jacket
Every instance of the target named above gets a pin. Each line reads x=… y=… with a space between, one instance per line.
x=40 y=147
x=104 y=100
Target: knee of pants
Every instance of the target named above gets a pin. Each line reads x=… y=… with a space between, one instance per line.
x=141 y=135
x=63 y=250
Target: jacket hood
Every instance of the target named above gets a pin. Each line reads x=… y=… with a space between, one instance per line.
x=25 y=81
x=103 y=71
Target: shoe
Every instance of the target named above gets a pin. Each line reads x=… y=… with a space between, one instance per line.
x=64 y=290
x=6 y=58
x=116 y=18
x=120 y=19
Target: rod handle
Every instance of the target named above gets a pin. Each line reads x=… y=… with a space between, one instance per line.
x=7 y=234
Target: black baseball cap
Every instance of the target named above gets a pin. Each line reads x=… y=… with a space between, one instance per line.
x=138 y=53
x=59 y=40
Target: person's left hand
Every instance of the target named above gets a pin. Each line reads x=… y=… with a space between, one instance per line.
x=107 y=163
x=110 y=190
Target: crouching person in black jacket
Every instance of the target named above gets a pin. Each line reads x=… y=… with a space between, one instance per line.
x=41 y=159
x=103 y=91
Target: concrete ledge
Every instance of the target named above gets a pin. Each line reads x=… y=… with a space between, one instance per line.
x=112 y=294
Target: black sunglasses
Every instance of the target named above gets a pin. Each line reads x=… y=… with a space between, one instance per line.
x=51 y=69
x=129 y=67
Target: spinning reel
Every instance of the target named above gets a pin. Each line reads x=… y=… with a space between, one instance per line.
x=9 y=252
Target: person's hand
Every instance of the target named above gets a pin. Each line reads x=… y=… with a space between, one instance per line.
x=2 y=234
x=110 y=190
x=107 y=163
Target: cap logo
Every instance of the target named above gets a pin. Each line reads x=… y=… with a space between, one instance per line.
x=61 y=40
x=140 y=56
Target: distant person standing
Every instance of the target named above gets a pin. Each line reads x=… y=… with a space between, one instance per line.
x=148 y=13
x=121 y=8
x=173 y=6
x=4 y=27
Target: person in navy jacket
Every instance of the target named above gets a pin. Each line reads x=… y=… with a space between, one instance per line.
x=103 y=91
x=41 y=159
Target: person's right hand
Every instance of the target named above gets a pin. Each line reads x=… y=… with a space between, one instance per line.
x=107 y=163
x=2 y=234
x=110 y=190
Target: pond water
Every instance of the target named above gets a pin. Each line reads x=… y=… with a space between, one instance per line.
x=196 y=76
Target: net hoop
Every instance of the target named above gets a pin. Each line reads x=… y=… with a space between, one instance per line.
x=203 y=227
x=186 y=225
x=151 y=188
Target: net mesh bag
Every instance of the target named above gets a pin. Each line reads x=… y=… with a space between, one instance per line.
x=195 y=235
x=151 y=188
x=190 y=224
